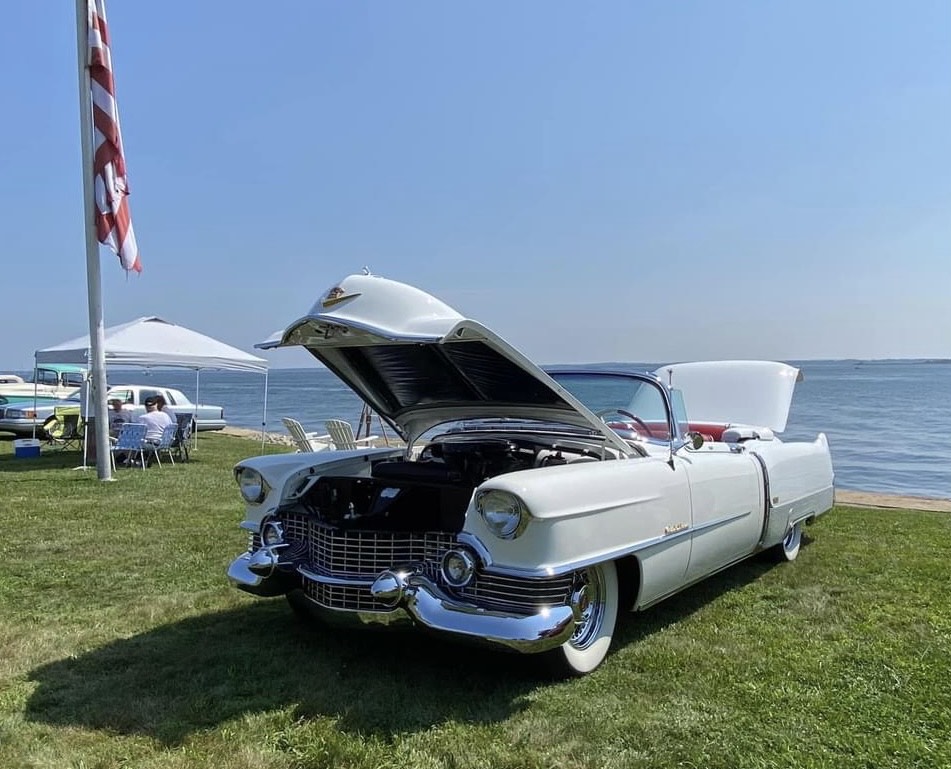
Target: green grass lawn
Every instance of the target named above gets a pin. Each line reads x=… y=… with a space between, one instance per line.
x=122 y=645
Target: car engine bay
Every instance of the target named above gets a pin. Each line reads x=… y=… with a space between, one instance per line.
x=433 y=491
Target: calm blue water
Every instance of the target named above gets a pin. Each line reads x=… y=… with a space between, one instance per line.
x=888 y=422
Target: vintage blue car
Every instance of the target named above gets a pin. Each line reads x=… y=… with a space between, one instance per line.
x=49 y=382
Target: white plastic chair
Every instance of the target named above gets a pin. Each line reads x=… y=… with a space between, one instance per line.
x=304 y=440
x=342 y=434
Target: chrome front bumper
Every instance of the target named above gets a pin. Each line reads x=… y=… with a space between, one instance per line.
x=433 y=609
x=430 y=607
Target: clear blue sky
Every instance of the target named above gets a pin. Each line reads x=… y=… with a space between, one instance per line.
x=595 y=181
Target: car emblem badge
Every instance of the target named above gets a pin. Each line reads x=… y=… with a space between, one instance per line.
x=336 y=295
x=677 y=527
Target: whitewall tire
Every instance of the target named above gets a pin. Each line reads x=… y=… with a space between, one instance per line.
x=788 y=549
x=597 y=599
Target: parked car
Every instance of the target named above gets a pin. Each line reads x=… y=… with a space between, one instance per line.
x=529 y=507
x=133 y=398
x=50 y=382
x=21 y=417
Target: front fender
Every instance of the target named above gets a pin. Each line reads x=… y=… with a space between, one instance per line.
x=584 y=513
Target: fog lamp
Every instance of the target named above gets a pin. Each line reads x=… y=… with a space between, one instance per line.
x=272 y=533
x=458 y=568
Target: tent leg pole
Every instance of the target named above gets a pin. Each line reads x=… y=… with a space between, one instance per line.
x=264 y=416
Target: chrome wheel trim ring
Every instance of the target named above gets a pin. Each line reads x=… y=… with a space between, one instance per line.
x=588 y=626
x=791 y=540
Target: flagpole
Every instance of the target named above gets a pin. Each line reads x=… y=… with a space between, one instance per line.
x=97 y=362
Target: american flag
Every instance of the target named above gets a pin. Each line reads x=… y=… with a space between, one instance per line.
x=113 y=221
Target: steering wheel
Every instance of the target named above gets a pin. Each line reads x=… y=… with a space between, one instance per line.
x=635 y=419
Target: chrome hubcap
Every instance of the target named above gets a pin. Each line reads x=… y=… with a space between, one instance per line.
x=789 y=541
x=588 y=602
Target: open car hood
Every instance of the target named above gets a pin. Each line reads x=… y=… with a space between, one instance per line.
x=419 y=363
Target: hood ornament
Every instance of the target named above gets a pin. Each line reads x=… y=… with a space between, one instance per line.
x=336 y=295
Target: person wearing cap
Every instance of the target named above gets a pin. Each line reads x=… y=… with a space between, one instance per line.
x=154 y=420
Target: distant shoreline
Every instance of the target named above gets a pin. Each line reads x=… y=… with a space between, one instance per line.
x=877 y=499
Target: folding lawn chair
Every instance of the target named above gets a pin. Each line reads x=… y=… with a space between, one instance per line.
x=164 y=444
x=64 y=429
x=183 y=435
x=131 y=443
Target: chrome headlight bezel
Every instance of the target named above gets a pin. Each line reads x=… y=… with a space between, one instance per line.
x=272 y=532
x=464 y=560
x=251 y=484
x=503 y=513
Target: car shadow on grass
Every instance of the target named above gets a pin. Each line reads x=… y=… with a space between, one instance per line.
x=203 y=671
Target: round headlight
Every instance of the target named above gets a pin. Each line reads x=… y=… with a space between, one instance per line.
x=502 y=513
x=272 y=533
x=251 y=484
x=458 y=568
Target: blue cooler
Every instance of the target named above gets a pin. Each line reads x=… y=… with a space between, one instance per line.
x=26 y=447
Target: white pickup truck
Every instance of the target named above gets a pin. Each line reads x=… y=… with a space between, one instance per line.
x=133 y=398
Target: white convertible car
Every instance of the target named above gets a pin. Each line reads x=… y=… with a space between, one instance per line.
x=529 y=507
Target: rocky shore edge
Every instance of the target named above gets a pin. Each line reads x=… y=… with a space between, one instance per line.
x=842 y=496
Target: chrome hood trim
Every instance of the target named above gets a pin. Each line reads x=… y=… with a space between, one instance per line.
x=419 y=363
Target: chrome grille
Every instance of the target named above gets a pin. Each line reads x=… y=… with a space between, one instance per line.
x=362 y=554
x=344 y=597
x=367 y=553
x=516 y=593
x=296 y=527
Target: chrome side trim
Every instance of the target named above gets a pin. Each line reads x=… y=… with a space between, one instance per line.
x=717 y=522
x=659 y=542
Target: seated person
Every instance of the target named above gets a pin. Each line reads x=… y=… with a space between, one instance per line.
x=154 y=420
x=117 y=417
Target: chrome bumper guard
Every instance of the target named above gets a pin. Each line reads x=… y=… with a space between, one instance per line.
x=432 y=608
x=255 y=572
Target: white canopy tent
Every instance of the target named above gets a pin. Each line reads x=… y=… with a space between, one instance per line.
x=154 y=342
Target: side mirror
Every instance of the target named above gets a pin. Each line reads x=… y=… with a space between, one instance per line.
x=694 y=442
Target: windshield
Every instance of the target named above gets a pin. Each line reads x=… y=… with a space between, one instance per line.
x=55 y=378
x=633 y=405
